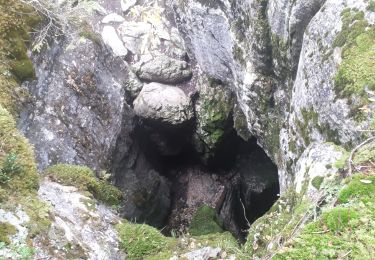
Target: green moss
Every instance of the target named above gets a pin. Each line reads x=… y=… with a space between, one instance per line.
x=14 y=144
x=23 y=69
x=361 y=187
x=16 y=20
x=205 y=221
x=84 y=179
x=338 y=218
x=355 y=74
x=6 y=230
x=140 y=240
x=317 y=182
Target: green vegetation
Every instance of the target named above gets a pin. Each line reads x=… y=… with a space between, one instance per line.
x=205 y=222
x=371 y=6
x=6 y=230
x=84 y=179
x=18 y=168
x=347 y=230
x=317 y=182
x=16 y=20
x=355 y=74
x=10 y=167
x=139 y=240
x=361 y=188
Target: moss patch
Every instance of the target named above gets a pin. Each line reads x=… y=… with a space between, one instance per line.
x=317 y=182
x=205 y=222
x=15 y=147
x=6 y=230
x=16 y=20
x=84 y=179
x=356 y=72
x=140 y=240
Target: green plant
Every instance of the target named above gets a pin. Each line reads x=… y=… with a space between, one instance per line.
x=10 y=167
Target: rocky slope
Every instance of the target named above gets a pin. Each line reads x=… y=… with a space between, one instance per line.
x=187 y=103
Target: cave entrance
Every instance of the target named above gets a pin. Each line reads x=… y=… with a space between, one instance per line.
x=240 y=183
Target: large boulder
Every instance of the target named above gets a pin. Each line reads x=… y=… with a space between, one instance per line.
x=163 y=69
x=164 y=104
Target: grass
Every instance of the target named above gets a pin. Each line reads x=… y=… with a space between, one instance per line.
x=84 y=179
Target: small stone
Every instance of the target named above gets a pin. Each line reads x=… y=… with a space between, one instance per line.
x=111 y=39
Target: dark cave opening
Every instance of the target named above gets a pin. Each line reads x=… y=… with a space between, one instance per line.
x=240 y=182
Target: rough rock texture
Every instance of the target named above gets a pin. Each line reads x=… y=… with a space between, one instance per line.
x=203 y=254
x=213 y=111
x=163 y=69
x=81 y=227
x=163 y=103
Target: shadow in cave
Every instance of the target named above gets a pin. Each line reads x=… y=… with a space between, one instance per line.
x=240 y=181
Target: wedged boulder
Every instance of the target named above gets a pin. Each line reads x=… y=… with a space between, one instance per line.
x=163 y=69
x=164 y=104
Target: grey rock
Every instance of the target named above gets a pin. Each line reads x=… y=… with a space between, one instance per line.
x=163 y=103
x=88 y=227
x=111 y=38
x=163 y=69
x=204 y=253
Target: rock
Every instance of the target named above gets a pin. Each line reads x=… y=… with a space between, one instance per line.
x=81 y=228
x=164 y=104
x=214 y=109
x=133 y=86
x=163 y=69
x=135 y=36
x=111 y=38
x=315 y=167
x=127 y=4
x=147 y=198
x=205 y=253
x=113 y=18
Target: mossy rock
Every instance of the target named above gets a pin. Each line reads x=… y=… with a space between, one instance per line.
x=6 y=230
x=84 y=179
x=205 y=221
x=27 y=179
x=140 y=240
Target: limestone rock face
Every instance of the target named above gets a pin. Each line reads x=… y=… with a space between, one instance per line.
x=163 y=103
x=163 y=69
x=81 y=228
